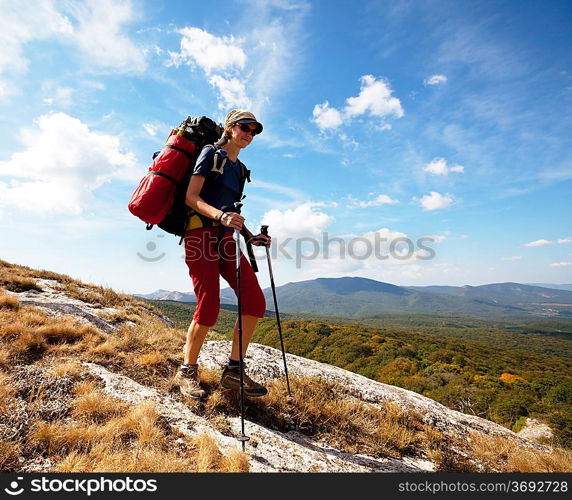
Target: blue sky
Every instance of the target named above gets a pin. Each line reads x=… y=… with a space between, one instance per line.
x=384 y=121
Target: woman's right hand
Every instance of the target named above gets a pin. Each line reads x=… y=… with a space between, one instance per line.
x=233 y=220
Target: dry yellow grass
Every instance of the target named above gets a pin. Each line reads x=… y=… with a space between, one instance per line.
x=141 y=421
x=110 y=437
x=322 y=409
x=235 y=461
x=16 y=283
x=7 y=392
x=96 y=406
x=150 y=359
x=57 y=438
x=9 y=453
x=8 y=301
x=209 y=458
x=30 y=333
x=504 y=455
x=85 y=387
x=4 y=358
x=69 y=368
x=58 y=333
x=104 y=457
x=107 y=348
x=21 y=278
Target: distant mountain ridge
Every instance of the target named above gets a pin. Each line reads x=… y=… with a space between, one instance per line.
x=553 y=285
x=356 y=297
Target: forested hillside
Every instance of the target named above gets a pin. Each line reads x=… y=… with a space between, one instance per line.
x=502 y=371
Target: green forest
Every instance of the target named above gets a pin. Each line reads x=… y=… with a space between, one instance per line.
x=501 y=371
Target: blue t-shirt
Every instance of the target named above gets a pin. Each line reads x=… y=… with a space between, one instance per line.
x=219 y=189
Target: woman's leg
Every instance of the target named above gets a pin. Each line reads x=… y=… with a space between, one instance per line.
x=248 y=325
x=202 y=259
x=195 y=338
x=252 y=299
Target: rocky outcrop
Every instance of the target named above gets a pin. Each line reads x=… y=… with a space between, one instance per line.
x=57 y=303
x=535 y=430
x=265 y=363
x=273 y=451
x=268 y=450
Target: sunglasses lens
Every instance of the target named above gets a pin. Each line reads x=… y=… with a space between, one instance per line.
x=246 y=128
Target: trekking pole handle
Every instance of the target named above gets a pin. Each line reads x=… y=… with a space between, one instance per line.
x=264 y=230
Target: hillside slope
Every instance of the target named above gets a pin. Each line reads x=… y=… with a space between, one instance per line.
x=86 y=385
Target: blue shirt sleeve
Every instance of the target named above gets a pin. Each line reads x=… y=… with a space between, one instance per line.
x=204 y=161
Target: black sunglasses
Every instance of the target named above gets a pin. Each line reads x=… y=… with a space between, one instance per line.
x=246 y=128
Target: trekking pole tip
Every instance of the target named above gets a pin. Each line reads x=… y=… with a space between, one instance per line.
x=243 y=439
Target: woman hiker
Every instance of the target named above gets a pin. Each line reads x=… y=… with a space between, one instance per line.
x=210 y=251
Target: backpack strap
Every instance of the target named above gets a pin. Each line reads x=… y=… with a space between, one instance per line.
x=219 y=161
x=244 y=179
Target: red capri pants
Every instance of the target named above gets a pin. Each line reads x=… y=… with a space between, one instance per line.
x=206 y=262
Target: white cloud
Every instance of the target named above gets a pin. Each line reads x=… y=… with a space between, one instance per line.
x=151 y=128
x=95 y=27
x=326 y=117
x=538 y=243
x=7 y=89
x=21 y=23
x=262 y=54
x=303 y=221
x=60 y=96
x=438 y=166
x=294 y=194
x=63 y=163
x=561 y=264
x=209 y=52
x=99 y=34
x=512 y=258
x=437 y=238
x=375 y=99
x=436 y=80
x=214 y=55
x=436 y=201
x=382 y=199
x=232 y=92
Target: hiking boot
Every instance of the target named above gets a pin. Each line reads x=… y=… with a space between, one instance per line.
x=187 y=379
x=231 y=380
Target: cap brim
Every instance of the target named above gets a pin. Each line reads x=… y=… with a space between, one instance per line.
x=259 y=126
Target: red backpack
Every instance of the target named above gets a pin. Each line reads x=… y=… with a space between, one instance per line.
x=160 y=196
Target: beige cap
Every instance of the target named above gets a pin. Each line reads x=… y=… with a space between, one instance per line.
x=241 y=116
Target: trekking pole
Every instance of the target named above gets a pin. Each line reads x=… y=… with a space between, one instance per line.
x=264 y=231
x=243 y=437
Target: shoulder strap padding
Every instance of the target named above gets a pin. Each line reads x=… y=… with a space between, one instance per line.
x=219 y=161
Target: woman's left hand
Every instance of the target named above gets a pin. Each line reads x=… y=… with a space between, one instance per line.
x=261 y=240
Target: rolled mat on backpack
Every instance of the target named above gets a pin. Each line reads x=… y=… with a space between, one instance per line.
x=154 y=196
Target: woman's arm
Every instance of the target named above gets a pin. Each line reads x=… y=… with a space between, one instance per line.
x=194 y=200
